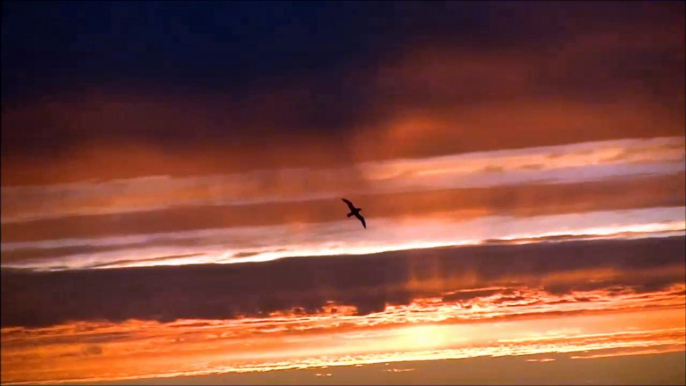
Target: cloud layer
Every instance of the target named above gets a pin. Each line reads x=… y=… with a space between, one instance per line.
x=588 y=73
x=539 y=145
x=308 y=284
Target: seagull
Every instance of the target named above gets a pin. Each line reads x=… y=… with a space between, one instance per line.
x=355 y=212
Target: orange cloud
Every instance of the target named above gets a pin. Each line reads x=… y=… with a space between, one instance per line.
x=468 y=203
x=135 y=349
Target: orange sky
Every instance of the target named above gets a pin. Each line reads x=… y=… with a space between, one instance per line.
x=424 y=330
x=172 y=176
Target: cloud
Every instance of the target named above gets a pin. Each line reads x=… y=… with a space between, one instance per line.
x=369 y=282
x=516 y=200
x=458 y=89
x=178 y=140
x=560 y=164
x=160 y=258
x=177 y=343
x=472 y=294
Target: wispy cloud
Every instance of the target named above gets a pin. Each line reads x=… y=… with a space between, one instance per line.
x=166 y=349
x=575 y=163
x=334 y=238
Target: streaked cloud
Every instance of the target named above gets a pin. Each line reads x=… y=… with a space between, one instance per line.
x=171 y=194
x=574 y=163
x=310 y=284
x=222 y=218
x=169 y=350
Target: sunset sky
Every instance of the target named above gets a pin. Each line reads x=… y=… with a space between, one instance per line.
x=172 y=175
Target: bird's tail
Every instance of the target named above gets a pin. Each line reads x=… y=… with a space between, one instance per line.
x=350 y=214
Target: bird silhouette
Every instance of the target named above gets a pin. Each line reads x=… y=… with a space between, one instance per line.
x=355 y=212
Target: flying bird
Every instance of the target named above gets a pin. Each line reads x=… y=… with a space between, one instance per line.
x=355 y=212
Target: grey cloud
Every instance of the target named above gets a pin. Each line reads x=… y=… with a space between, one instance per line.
x=330 y=93
x=467 y=295
x=368 y=282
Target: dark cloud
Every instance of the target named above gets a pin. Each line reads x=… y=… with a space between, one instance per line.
x=468 y=295
x=323 y=54
x=618 y=286
x=190 y=88
x=368 y=282
x=226 y=45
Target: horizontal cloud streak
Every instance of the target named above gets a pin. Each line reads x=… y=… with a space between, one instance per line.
x=526 y=200
x=221 y=292
x=575 y=163
x=335 y=238
x=248 y=345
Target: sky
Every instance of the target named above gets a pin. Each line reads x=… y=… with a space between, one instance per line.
x=172 y=175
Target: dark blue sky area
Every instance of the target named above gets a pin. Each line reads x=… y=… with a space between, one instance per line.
x=222 y=44
x=209 y=44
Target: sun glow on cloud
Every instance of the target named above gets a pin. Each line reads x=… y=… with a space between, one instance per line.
x=589 y=298
x=409 y=204
x=553 y=164
x=337 y=238
x=438 y=331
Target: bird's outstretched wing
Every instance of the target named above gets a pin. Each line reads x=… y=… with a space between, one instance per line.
x=350 y=204
x=359 y=217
